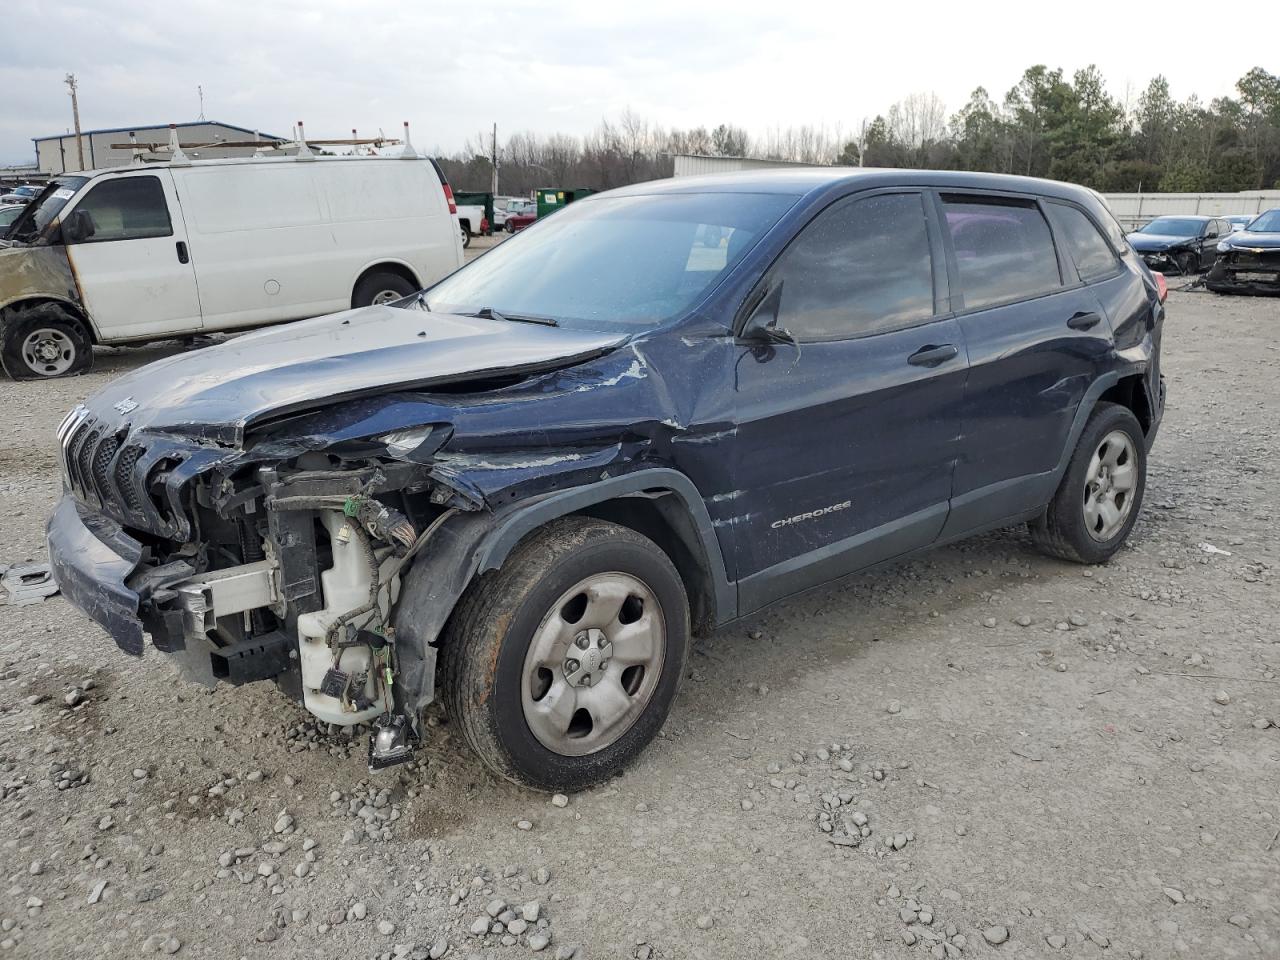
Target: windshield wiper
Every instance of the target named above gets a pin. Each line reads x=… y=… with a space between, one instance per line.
x=488 y=313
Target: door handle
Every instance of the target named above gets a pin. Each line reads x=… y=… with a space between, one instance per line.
x=1083 y=321
x=932 y=356
x=183 y=255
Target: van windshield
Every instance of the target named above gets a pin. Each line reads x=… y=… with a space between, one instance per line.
x=42 y=211
x=611 y=262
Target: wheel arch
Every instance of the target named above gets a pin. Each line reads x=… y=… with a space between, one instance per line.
x=72 y=307
x=659 y=503
x=1130 y=391
x=399 y=267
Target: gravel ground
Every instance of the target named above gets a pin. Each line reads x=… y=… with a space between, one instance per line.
x=978 y=753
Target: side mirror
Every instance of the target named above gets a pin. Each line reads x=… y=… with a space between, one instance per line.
x=78 y=227
x=762 y=324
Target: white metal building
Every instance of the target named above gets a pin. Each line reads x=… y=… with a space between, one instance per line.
x=102 y=148
x=692 y=165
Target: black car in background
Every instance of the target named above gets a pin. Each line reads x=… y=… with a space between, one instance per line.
x=1179 y=244
x=1249 y=260
x=21 y=194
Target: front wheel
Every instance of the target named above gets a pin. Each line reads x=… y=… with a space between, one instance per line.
x=561 y=666
x=42 y=342
x=1098 y=501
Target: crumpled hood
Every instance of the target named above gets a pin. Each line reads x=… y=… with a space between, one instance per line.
x=1245 y=240
x=1151 y=242
x=212 y=394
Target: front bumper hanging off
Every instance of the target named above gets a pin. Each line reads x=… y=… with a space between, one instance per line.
x=103 y=571
x=92 y=559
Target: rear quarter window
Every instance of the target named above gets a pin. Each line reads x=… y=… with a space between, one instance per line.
x=1003 y=248
x=1093 y=256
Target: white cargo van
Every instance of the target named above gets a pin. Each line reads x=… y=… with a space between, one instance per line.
x=151 y=251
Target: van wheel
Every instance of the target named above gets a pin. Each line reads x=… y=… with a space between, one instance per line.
x=561 y=666
x=466 y=236
x=43 y=341
x=1098 y=501
x=383 y=287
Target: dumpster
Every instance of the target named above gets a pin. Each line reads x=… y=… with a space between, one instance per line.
x=551 y=199
x=478 y=199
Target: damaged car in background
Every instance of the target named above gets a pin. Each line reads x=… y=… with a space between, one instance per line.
x=1249 y=259
x=1181 y=245
x=523 y=490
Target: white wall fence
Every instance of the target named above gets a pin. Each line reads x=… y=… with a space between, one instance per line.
x=1131 y=209
x=1135 y=209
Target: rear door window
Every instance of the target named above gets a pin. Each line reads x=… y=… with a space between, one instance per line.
x=1093 y=256
x=863 y=266
x=128 y=208
x=1003 y=248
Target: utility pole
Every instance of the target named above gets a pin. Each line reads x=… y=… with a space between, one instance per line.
x=200 y=92
x=75 y=116
x=493 y=180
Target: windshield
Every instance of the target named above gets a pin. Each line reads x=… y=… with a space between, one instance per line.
x=614 y=262
x=1268 y=222
x=1173 y=227
x=41 y=211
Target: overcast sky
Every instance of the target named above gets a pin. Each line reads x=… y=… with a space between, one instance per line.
x=453 y=69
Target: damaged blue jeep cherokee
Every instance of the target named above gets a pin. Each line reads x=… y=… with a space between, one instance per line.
x=524 y=489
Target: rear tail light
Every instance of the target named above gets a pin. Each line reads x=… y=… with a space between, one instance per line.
x=484 y=224
x=1162 y=286
x=448 y=195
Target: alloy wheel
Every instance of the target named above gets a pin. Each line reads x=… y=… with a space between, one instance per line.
x=1109 y=485
x=593 y=664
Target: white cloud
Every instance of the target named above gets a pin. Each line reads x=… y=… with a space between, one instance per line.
x=453 y=72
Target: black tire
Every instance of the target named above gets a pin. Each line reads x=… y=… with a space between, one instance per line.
x=1187 y=263
x=466 y=235
x=70 y=337
x=381 y=287
x=486 y=641
x=509 y=227
x=1061 y=531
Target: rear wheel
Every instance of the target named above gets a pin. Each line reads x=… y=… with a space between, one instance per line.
x=561 y=666
x=1098 y=501
x=466 y=236
x=381 y=287
x=42 y=342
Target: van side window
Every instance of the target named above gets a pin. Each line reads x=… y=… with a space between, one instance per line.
x=863 y=266
x=1003 y=249
x=1093 y=256
x=127 y=208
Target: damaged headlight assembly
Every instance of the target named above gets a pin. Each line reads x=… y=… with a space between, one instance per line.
x=401 y=444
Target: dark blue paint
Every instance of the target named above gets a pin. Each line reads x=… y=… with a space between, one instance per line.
x=762 y=433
